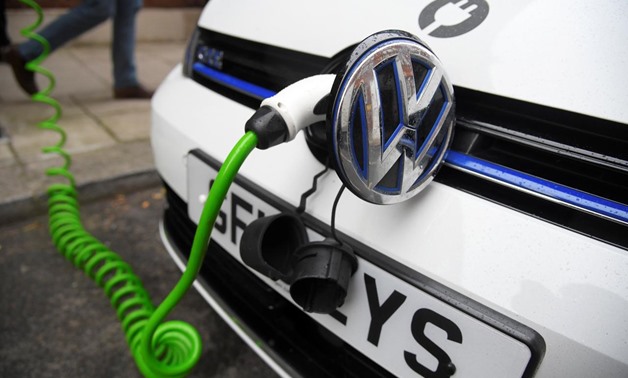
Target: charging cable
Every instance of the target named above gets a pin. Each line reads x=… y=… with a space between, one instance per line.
x=168 y=349
x=217 y=194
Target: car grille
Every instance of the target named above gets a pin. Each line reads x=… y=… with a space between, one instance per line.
x=265 y=66
x=574 y=151
x=296 y=341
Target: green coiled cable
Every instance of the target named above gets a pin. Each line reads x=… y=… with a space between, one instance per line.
x=169 y=349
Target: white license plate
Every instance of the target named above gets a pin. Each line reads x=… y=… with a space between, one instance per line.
x=400 y=326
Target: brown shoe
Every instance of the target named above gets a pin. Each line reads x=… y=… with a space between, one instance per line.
x=24 y=77
x=136 y=91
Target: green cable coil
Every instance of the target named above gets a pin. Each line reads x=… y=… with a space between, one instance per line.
x=169 y=349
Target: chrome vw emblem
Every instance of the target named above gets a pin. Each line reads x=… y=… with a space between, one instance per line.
x=392 y=118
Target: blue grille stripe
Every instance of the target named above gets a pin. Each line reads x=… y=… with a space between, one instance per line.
x=233 y=82
x=540 y=186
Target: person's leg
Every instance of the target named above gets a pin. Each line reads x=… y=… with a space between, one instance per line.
x=69 y=26
x=125 y=80
x=123 y=49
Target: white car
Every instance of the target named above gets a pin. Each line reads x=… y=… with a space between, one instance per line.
x=512 y=261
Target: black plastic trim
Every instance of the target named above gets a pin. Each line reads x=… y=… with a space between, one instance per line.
x=269 y=126
x=532 y=339
x=600 y=140
x=586 y=224
x=268 y=66
x=579 y=151
x=232 y=94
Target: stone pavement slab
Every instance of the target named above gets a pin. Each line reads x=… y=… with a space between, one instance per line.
x=119 y=125
x=86 y=135
x=108 y=138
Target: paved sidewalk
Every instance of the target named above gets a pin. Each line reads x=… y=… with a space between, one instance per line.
x=108 y=139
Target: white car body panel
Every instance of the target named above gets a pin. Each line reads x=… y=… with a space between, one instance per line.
x=566 y=54
x=570 y=55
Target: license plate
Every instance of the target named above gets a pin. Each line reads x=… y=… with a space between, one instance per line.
x=405 y=322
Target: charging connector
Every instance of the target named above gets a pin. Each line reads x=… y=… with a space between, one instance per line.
x=280 y=117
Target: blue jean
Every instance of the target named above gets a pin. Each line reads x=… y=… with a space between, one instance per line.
x=86 y=16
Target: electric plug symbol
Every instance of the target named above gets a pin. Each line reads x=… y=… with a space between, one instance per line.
x=451 y=18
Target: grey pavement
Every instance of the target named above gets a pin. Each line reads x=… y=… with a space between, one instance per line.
x=108 y=139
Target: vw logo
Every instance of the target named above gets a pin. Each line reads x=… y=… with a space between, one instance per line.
x=392 y=118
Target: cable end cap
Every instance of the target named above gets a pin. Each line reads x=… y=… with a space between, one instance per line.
x=269 y=126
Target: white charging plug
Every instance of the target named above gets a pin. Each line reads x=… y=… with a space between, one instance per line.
x=280 y=117
x=296 y=102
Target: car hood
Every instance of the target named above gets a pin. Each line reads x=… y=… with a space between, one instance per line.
x=566 y=54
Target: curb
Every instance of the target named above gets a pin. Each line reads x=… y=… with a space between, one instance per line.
x=23 y=208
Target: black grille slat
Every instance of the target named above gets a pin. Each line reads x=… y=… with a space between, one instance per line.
x=267 y=66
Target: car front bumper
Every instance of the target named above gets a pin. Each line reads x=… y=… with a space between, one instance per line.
x=569 y=288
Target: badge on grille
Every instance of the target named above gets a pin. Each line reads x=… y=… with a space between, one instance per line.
x=392 y=118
